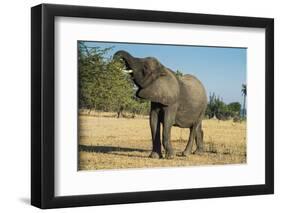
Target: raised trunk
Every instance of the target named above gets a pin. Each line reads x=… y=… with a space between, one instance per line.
x=128 y=59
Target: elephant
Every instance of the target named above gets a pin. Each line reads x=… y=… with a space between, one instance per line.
x=175 y=101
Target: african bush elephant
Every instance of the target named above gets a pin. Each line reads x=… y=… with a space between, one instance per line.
x=175 y=101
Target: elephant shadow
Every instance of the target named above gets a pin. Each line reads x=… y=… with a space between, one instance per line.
x=107 y=149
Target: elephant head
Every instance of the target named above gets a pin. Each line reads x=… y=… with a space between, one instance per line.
x=156 y=82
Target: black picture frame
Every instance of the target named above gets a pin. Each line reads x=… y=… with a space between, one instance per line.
x=43 y=102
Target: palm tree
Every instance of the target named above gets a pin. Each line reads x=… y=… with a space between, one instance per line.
x=244 y=93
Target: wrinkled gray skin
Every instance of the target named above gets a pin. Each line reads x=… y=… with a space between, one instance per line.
x=175 y=101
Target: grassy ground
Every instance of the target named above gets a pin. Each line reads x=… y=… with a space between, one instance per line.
x=110 y=143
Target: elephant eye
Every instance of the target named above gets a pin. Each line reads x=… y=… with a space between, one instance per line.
x=145 y=69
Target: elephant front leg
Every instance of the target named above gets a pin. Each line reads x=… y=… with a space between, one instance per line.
x=168 y=120
x=166 y=135
x=169 y=152
x=155 y=133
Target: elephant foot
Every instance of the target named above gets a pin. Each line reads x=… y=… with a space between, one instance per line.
x=185 y=153
x=155 y=155
x=199 y=152
x=169 y=155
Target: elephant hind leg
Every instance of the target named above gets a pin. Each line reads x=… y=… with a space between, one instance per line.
x=199 y=139
x=189 y=145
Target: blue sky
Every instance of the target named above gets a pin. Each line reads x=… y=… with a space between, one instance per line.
x=222 y=70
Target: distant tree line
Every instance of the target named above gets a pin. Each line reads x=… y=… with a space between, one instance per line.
x=218 y=109
x=103 y=85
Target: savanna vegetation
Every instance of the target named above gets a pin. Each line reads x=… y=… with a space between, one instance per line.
x=114 y=127
x=106 y=142
x=103 y=86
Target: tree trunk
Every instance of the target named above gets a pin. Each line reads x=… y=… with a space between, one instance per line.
x=120 y=112
x=244 y=110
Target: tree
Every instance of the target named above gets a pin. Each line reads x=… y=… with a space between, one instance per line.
x=102 y=83
x=244 y=94
x=234 y=108
x=217 y=108
x=179 y=73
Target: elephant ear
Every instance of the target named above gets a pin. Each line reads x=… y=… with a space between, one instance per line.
x=164 y=90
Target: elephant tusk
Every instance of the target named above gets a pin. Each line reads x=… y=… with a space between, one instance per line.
x=128 y=71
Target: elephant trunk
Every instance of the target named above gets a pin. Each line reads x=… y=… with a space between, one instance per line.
x=127 y=58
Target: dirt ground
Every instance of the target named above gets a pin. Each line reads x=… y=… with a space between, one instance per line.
x=107 y=142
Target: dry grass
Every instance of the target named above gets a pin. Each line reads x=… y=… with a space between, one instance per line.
x=110 y=143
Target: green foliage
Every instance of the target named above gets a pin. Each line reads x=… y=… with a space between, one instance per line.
x=103 y=85
x=234 y=107
x=216 y=107
x=244 y=90
x=179 y=73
